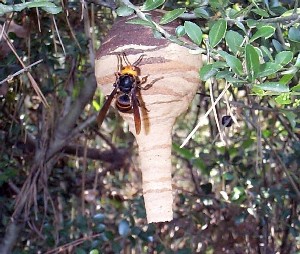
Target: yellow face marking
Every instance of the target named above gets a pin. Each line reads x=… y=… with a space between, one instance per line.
x=131 y=70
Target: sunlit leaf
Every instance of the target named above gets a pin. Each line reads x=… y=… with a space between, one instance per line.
x=252 y=61
x=33 y=4
x=283 y=99
x=285 y=79
x=171 y=15
x=263 y=32
x=217 y=32
x=297 y=64
x=284 y=57
x=268 y=68
x=150 y=5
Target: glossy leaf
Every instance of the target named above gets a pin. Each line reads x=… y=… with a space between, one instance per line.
x=217 y=32
x=233 y=62
x=193 y=31
x=268 y=68
x=261 y=12
x=263 y=32
x=207 y=71
x=171 y=15
x=273 y=87
x=150 y=5
x=284 y=57
x=201 y=12
x=252 y=61
x=234 y=41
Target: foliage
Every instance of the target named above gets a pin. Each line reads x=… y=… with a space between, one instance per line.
x=236 y=185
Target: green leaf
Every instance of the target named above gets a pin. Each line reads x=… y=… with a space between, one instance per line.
x=94 y=251
x=217 y=32
x=35 y=4
x=277 y=45
x=233 y=62
x=283 y=99
x=184 y=152
x=252 y=62
x=224 y=74
x=141 y=22
x=6 y=9
x=285 y=79
x=273 y=87
x=292 y=117
x=294 y=34
x=234 y=41
x=193 y=31
x=266 y=53
x=96 y=105
x=238 y=192
x=180 y=31
x=52 y=10
x=207 y=71
x=150 y=5
x=124 y=11
x=171 y=15
x=201 y=13
x=251 y=23
x=268 y=69
x=296 y=88
x=261 y=12
x=263 y=32
x=297 y=64
x=284 y=57
x=290 y=12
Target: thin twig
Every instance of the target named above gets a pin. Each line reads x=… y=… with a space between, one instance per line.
x=206 y=114
x=9 y=77
x=58 y=35
x=32 y=81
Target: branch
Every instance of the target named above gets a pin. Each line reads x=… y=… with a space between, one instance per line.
x=10 y=238
x=165 y=33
